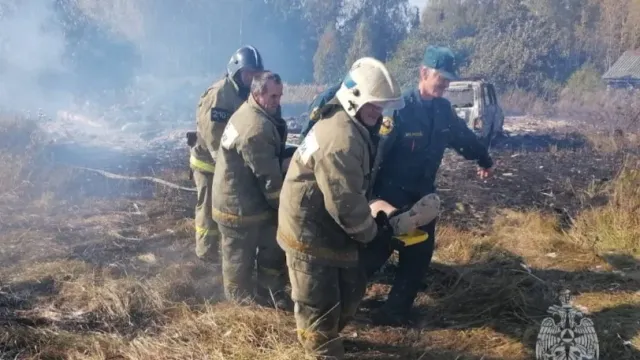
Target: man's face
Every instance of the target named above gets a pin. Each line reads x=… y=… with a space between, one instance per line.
x=369 y=114
x=247 y=75
x=432 y=83
x=270 y=99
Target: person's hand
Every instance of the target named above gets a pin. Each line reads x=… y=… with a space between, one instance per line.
x=484 y=173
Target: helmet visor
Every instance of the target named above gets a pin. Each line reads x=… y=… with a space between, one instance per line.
x=389 y=104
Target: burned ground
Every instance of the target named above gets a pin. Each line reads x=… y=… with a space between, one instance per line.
x=98 y=268
x=553 y=172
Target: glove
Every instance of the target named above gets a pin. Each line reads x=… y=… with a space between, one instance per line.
x=385 y=231
x=192 y=138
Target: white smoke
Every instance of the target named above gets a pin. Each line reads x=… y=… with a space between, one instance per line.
x=32 y=46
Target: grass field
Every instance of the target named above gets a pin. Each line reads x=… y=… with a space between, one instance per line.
x=96 y=268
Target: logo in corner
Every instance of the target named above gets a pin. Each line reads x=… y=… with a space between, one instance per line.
x=567 y=335
x=387 y=125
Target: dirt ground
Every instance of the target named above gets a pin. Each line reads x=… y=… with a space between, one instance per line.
x=98 y=268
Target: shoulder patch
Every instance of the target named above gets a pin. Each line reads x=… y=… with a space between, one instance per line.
x=229 y=135
x=220 y=115
x=308 y=147
x=387 y=125
x=315 y=114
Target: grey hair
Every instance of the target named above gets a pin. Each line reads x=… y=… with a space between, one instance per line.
x=428 y=69
x=259 y=83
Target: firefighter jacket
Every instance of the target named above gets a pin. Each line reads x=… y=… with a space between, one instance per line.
x=324 y=213
x=248 y=177
x=215 y=107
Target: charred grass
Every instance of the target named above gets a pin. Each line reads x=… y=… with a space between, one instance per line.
x=90 y=273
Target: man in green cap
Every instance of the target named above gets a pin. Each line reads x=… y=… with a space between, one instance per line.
x=413 y=141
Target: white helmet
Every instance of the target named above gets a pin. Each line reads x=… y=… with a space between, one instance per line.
x=369 y=81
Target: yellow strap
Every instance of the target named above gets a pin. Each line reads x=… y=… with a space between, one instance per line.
x=201 y=165
x=414 y=237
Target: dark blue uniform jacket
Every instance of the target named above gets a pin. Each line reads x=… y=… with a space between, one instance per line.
x=412 y=151
x=316 y=107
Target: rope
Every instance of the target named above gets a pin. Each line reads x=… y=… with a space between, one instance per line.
x=148 y=178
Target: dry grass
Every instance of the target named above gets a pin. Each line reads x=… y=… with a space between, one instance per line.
x=101 y=276
x=16 y=135
x=519 y=102
x=609 y=111
x=615 y=226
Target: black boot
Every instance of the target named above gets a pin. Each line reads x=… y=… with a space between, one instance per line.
x=279 y=300
x=396 y=311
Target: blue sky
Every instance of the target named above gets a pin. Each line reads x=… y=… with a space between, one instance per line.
x=418 y=3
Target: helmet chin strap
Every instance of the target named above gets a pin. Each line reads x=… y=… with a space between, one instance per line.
x=243 y=90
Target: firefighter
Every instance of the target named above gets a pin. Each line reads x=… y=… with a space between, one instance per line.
x=324 y=215
x=247 y=184
x=215 y=107
x=413 y=142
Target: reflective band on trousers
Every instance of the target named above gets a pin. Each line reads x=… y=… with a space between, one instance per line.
x=201 y=165
x=206 y=232
x=272 y=272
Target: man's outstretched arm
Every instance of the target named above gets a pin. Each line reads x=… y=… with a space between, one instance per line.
x=467 y=144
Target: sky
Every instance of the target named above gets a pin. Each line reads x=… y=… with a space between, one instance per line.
x=419 y=3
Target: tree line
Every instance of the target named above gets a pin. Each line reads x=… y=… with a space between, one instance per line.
x=530 y=45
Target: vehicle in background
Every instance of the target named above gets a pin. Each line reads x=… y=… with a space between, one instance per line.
x=475 y=101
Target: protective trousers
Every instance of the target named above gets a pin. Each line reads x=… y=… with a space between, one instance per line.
x=207 y=235
x=413 y=264
x=239 y=258
x=325 y=298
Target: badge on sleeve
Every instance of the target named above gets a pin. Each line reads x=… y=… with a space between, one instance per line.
x=387 y=125
x=308 y=147
x=229 y=135
x=220 y=115
x=315 y=114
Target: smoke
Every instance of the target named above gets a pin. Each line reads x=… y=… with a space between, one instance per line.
x=32 y=47
x=145 y=62
x=119 y=60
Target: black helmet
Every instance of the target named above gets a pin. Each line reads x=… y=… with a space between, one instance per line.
x=246 y=56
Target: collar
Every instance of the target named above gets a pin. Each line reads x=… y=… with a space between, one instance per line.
x=277 y=118
x=242 y=91
x=418 y=99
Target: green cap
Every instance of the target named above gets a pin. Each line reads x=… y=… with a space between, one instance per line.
x=441 y=59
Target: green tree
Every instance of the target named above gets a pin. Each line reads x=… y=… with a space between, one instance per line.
x=361 y=44
x=328 y=59
x=585 y=79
